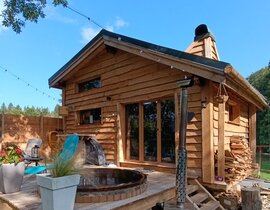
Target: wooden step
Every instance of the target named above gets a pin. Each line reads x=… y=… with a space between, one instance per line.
x=199 y=197
x=191 y=188
x=213 y=205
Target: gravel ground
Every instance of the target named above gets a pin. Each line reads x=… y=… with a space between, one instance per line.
x=265 y=202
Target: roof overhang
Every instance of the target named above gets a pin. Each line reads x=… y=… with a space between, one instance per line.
x=182 y=64
x=210 y=69
x=241 y=86
x=192 y=64
x=56 y=80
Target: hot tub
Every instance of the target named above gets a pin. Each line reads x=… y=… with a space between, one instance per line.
x=100 y=184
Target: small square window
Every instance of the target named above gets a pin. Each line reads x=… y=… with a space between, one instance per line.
x=90 y=84
x=90 y=116
x=234 y=112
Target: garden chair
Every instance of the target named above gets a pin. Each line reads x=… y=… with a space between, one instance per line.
x=68 y=151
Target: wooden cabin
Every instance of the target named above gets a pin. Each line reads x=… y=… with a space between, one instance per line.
x=125 y=91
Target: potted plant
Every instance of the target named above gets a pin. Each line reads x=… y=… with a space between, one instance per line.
x=11 y=168
x=58 y=188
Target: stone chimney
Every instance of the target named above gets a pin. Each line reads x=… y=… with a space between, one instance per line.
x=204 y=43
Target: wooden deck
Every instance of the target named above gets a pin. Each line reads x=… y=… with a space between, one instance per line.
x=160 y=188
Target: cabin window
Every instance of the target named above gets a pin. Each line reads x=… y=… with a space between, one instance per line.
x=234 y=112
x=90 y=116
x=133 y=130
x=167 y=131
x=150 y=131
x=90 y=84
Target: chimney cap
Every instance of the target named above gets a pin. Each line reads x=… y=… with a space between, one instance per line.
x=202 y=31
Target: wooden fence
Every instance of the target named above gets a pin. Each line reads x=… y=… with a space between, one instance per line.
x=19 y=128
x=263 y=157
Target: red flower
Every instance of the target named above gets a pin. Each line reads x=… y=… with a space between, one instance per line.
x=18 y=151
x=11 y=153
x=3 y=153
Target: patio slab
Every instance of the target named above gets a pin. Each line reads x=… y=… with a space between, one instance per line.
x=160 y=188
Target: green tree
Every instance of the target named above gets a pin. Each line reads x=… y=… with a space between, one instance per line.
x=16 y=12
x=261 y=81
x=3 y=108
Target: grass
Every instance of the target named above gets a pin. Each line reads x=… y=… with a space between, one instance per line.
x=265 y=165
x=265 y=175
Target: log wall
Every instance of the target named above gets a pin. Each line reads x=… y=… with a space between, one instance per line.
x=232 y=129
x=127 y=78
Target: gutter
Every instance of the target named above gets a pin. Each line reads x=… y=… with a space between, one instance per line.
x=239 y=80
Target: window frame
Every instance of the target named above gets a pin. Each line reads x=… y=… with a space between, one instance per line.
x=85 y=89
x=233 y=109
x=80 y=114
x=160 y=159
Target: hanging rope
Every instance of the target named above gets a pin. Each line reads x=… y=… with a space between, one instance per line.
x=222 y=94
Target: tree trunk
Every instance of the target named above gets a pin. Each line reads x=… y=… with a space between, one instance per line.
x=251 y=199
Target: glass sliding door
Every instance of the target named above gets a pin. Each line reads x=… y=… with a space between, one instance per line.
x=132 y=111
x=167 y=131
x=150 y=131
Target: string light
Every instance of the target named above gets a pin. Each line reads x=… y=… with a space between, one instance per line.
x=28 y=84
x=85 y=16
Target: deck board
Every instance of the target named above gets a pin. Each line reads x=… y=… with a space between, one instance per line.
x=160 y=188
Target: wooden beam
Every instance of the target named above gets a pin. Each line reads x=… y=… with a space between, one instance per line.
x=207 y=134
x=252 y=130
x=64 y=103
x=121 y=132
x=221 y=139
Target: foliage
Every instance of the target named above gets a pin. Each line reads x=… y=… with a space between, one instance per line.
x=11 y=153
x=63 y=167
x=28 y=111
x=261 y=81
x=16 y=12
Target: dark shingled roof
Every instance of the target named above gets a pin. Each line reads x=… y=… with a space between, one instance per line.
x=218 y=65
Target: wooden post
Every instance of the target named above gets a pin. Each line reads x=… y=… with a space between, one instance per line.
x=207 y=134
x=41 y=127
x=221 y=139
x=120 y=133
x=63 y=104
x=3 y=125
x=2 y=128
x=260 y=157
x=252 y=130
x=251 y=199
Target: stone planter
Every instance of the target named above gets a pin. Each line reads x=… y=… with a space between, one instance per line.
x=11 y=177
x=58 y=193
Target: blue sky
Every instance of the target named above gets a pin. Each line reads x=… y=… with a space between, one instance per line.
x=241 y=29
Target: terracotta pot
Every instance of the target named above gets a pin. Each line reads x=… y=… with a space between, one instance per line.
x=11 y=177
